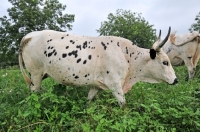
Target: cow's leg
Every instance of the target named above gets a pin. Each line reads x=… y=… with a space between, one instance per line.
x=93 y=91
x=191 y=71
x=36 y=80
x=190 y=67
x=119 y=95
x=196 y=56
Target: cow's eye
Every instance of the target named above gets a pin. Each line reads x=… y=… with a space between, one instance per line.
x=165 y=63
x=189 y=57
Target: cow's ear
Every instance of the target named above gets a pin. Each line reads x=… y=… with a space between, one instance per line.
x=152 y=53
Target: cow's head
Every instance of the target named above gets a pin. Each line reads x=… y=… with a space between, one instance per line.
x=159 y=66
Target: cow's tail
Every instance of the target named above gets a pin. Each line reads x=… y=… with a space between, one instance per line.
x=26 y=78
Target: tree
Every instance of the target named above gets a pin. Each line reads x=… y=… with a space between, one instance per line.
x=26 y=16
x=196 y=26
x=129 y=25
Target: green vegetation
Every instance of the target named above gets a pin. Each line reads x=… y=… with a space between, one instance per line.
x=129 y=25
x=196 y=25
x=26 y=16
x=150 y=107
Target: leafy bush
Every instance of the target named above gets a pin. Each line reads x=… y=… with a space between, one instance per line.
x=149 y=107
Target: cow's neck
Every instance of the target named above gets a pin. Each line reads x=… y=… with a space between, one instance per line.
x=137 y=70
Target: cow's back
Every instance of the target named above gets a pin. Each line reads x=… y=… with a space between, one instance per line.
x=76 y=60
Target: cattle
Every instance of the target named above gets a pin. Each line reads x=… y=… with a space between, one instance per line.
x=184 y=49
x=103 y=62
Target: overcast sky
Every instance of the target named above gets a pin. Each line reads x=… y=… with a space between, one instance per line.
x=179 y=14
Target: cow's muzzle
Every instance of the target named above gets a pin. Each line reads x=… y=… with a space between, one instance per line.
x=175 y=81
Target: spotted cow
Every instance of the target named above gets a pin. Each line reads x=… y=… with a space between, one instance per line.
x=184 y=49
x=104 y=62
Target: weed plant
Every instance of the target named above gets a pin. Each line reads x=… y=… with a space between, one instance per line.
x=57 y=108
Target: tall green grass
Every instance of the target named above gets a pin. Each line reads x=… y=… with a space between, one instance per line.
x=149 y=107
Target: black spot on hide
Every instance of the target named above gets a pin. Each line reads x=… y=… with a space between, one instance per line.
x=152 y=53
x=78 y=47
x=90 y=57
x=104 y=46
x=76 y=77
x=49 y=54
x=168 y=50
x=85 y=61
x=67 y=47
x=118 y=44
x=107 y=72
x=71 y=41
x=49 y=40
x=62 y=37
x=64 y=55
x=74 y=52
x=126 y=50
x=85 y=45
x=78 y=60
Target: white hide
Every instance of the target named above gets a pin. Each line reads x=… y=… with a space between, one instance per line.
x=105 y=62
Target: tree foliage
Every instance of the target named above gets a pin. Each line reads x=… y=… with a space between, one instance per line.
x=26 y=16
x=196 y=26
x=129 y=25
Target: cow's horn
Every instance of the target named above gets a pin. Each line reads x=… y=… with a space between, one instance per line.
x=159 y=35
x=166 y=38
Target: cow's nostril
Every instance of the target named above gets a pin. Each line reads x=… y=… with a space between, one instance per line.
x=175 y=81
